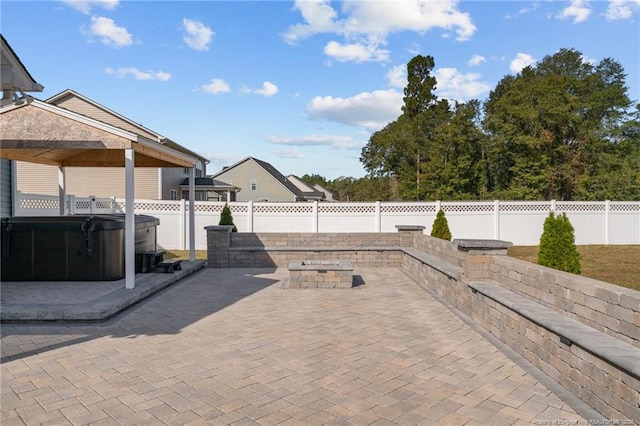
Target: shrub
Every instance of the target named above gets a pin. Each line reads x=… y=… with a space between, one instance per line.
x=440 y=227
x=226 y=218
x=557 y=245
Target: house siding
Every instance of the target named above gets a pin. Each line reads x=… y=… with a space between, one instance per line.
x=171 y=179
x=268 y=188
x=35 y=178
x=83 y=107
x=6 y=196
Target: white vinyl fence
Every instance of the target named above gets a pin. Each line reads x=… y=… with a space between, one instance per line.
x=595 y=222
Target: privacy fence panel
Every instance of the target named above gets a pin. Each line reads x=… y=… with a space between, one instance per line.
x=521 y=222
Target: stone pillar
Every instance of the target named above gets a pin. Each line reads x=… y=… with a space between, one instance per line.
x=218 y=243
x=479 y=256
x=408 y=234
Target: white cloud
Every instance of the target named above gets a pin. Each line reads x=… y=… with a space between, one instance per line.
x=355 y=52
x=85 y=6
x=217 y=85
x=622 y=9
x=477 y=60
x=340 y=142
x=288 y=153
x=109 y=32
x=365 y=25
x=139 y=75
x=397 y=76
x=521 y=60
x=268 y=89
x=370 y=110
x=198 y=36
x=454 y=85
x=579 y=10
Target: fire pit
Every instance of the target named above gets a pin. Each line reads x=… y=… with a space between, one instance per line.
x=320 y=274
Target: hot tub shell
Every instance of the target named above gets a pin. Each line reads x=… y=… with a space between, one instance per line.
x=71 y=248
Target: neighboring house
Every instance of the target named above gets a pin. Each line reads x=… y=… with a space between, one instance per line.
x=260 y=181
x=150 y=182
x=328 y=195
x=209 y=189
x=15 y=80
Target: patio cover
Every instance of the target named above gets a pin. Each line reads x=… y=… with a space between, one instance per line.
x=38 y=132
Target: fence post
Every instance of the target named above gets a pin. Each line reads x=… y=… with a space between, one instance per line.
x=183 y=221
x=114 y=205
x=378 y=218
x=71 y=199
x=607 y=213
x=92 y=204
x=438 y=206
x=249 y=216
x=496 y=219
x=553 y=206
x=314 y=219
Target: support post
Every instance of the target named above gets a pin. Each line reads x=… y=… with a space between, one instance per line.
x=607 y=214
x=314 y=213
x=496 y=219
x=250 y=216
x=192 y=214
x=378 y=217
x=129 y=220
x=62 y=190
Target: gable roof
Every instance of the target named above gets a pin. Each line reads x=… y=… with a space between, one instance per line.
x=14 y=75
x=68 y=93
x=299 y=194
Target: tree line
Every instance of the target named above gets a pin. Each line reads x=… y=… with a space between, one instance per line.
x=561 y=129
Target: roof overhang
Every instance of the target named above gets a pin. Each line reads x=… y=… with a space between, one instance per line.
x=39 y=132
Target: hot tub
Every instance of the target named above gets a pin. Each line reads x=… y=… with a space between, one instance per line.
x=71 y=248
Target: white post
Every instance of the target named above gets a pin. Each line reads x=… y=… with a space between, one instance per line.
x=16 y=196
x=250 y=216
x=72 y=204
x=438 y=206
x=183 y=224
x=553 y=206
x=496 y=219
x=62 y=190
x=607 y=213
x=378 y=218
x=129 y=220
x=192 y=214
x=314 y=217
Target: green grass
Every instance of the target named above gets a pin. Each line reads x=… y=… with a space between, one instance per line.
x=614 y=264
x=618 y=265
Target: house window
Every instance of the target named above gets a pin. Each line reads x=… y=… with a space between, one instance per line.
x=173 y=194
x=254 y=185
x=186 y=170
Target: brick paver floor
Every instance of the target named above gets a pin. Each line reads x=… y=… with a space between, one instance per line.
x=231 y=347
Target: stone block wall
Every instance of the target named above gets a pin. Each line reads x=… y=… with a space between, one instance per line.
x=611 y=309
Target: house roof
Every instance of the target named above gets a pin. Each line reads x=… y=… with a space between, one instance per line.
x=64 y=138
x=299 y=194
x=14 y=74
x=211 y=184
x=65 y=94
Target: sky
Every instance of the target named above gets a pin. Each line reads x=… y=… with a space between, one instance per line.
x=299 y=84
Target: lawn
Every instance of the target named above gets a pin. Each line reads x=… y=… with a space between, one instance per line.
x=614 y=264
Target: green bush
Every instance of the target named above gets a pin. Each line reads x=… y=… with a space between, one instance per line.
x=557 y=245
x=226 y=218
x=440 y=227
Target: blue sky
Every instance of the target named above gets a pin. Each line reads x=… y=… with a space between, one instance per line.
x=300 y=84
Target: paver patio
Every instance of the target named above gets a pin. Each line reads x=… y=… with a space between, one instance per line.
x=230 y=346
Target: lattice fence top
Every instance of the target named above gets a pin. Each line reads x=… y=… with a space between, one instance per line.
x=282 y=208
x=626 y=207
x=468 y=208
x=525 y=207
x=334 y=208
x=579 y=207
x=31 y=203
x=407 y=208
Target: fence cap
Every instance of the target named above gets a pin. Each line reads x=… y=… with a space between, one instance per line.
x=410 y=227
x=479 y=245
x=222 y=228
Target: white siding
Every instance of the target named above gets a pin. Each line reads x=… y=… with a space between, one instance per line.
x=84 y=181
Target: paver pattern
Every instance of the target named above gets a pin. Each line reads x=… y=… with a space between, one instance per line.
x=229 y=346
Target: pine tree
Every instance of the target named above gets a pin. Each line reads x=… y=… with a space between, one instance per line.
x=440 y=227
x=226 y=218
x=557 y=245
